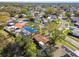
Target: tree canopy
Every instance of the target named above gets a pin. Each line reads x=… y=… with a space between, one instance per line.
x=56 y=35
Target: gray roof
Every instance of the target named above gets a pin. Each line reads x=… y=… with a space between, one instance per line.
x=75 y=32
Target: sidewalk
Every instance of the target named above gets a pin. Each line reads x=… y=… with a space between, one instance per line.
x=59 y=52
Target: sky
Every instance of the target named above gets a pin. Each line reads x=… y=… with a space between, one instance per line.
x=39 y=1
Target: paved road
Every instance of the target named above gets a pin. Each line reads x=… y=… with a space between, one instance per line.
x=72 y=41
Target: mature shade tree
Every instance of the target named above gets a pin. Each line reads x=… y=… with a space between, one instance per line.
x=4 y=17
x=56 y=35
x=12 y=10
x=24 y=10
x=1 y=36
x=76 y=13
x=68 y=14
x=51 y=10
x=23 y=46
x=53 y=25
x=30 y=48
x=12 y=49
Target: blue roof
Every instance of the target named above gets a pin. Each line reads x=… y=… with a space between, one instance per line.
x=30 y=29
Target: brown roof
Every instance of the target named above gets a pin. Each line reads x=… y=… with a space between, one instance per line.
x=39 y=37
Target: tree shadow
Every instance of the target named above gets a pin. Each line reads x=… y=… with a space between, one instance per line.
x=13 y=50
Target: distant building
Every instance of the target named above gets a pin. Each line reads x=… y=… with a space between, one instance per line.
x=64 y=18
x=52 y=17
x=75 y=19
x=75 y=31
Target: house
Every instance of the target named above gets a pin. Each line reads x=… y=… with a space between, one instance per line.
x=73 y=9
x=40 y=40
x=75 y=32
x=20 y=25
x=75 y=19
x=25 y=32
x=25 y=20
x=10 y=30
x=52 y=17
x=13 y=19
x=76 y=24
x=17 y=30
x=67 y=9
x=30 y=29
x=22 y=15
x=45 y=21
x=63 y=25
x=72 y=27
x=64 y=18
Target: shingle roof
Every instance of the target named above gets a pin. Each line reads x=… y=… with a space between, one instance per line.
x=75 y=32
x=39 y=37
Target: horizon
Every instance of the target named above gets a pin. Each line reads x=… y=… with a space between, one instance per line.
x=41 y=1
x=38 y=2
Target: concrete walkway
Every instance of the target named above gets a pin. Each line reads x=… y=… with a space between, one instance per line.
x=59 y=52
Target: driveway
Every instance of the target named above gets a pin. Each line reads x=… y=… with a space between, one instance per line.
x=59 y=52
